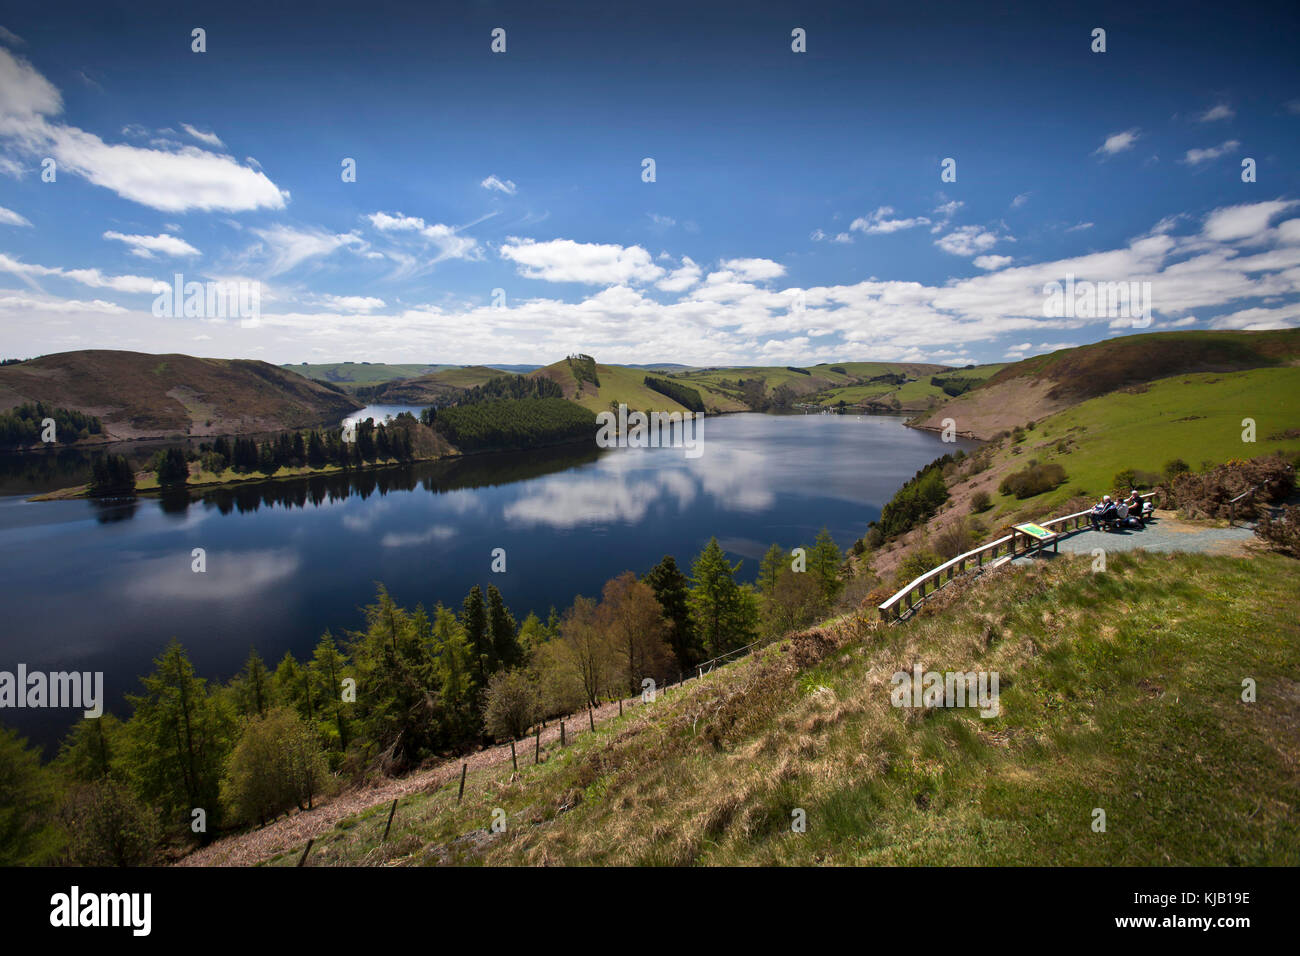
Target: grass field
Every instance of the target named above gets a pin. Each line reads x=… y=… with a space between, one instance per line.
x=1197 y=418
x=1120 y=691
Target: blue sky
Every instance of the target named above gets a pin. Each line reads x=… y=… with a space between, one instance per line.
x=797 y=213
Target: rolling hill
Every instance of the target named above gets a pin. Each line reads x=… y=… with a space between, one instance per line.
x=434 y=388
x=351 y=374
x=139 y=395
x=1034 y=388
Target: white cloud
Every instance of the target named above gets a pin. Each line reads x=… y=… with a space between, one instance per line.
x=172 y=180
x=500 y=185
x=447 y=240
x=840 y=237
x=355 y=303
x=1020 y=200
x=406 y=540
x=563 y=260
x=10 y=218
x=1246 y=221
x=967 y=241
x=753 y=270
x=992 y=262
x=287 y=247
x=146 y=246
x=208 y=139
x=1080 y=226
x=1196 y=156
x=682 y=278
x=1219 y=111
x=89 y=277
x=8 y=36
x=879 y=222
x=1118 y=142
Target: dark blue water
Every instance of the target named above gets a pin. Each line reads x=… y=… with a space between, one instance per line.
x=103 y=588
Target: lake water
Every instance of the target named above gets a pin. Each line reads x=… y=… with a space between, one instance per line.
x=96 y=587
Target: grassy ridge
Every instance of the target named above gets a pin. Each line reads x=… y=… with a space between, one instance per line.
x=1193 y=417
x=1119 y=690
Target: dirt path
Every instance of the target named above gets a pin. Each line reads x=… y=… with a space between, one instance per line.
x=247 y=849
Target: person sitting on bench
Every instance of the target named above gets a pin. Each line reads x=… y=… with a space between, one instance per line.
x=1103 y=512
x=1134 y=502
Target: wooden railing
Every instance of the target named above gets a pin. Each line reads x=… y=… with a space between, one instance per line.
x=915 y=591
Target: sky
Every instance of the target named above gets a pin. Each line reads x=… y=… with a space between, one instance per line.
x=502 y=209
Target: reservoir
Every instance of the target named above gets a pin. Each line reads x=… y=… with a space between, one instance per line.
x=90 y=586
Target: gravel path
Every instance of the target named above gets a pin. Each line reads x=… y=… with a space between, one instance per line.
x=1166 y=533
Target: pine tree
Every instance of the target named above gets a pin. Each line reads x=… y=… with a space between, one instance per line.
x=474 y=619
x=253 y=686
x=327 y=669
x=770 y=569
x=824 y=561
x=502 y=631
x=672 y=589
x=177 y=740
x=724 y=616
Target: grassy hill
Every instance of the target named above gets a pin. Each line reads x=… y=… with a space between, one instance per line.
x=139 y=395
x=625 y=384
x=429 y=389
x=1196 y=418
x=1119 y=691
x=1036 y=387
x=349 y=374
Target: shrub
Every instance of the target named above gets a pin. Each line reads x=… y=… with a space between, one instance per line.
x=953 y=540
x=276 y=765
x=1033 y=480
x=512 y=705
x=980 y=502
x=1282 y=533
x=915 y=565
x=108 y=826
x=1176 y=467
x=1208 y=494
x=1131 y=478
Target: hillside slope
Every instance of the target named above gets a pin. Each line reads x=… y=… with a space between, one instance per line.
x=430 y=389
x=1118 y=690
x=139 y=395
x=351 y=374
x=622 y=384
x=1036 y=387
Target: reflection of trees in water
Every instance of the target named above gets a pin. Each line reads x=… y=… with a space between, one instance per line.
x=110 y=510
x=475 y=471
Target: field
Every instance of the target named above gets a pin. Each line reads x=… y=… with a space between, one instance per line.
x=1119 y=691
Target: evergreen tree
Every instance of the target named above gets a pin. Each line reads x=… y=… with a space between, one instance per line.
x=824 y=561
x=327 y=670
x=770 y=568
x=177 y=740
x=502 y=631
x=454 y=674
x=724 y=615
x=672 y=589
x=474 y=619
x=253 y=686
x=28 y=834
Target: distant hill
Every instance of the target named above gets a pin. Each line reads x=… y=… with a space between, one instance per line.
x=351 y=374
x=139 y=395
x=438 y=387
x=1036 y=387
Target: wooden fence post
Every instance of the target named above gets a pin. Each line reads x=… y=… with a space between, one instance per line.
x=591 y=719
x=537 y=752
x=463 y=768
x=620 y=706
x=513 y=761
x=384 y=838
x=307 y=849
x=561 y=735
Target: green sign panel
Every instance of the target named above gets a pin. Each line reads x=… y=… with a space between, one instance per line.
x=1034 y=530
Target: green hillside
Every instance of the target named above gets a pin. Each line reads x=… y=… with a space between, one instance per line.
x=1119 y=691
x=436 y=387
x=361 y=373
x=1196 y=418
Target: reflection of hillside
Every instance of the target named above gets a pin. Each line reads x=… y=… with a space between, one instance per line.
x=476 y=471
